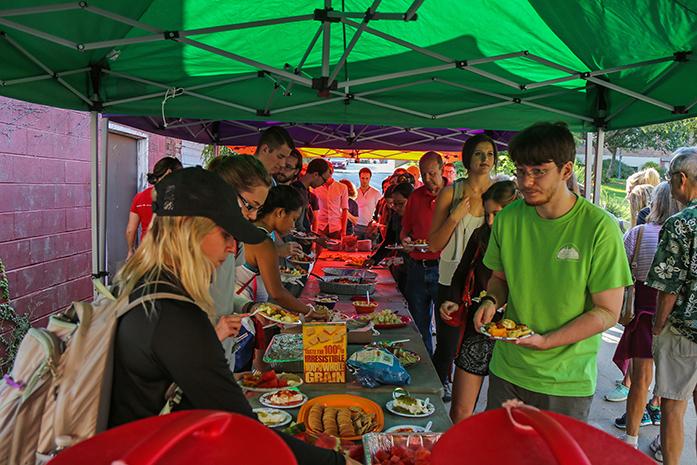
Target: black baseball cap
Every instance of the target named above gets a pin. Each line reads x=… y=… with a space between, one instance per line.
x=199 y=192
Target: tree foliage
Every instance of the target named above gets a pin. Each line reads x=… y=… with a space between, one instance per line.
x=13 y=326
x=208 y=153
x=664 y=138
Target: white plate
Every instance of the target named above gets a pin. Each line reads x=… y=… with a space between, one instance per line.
x=394 y=247
x=390 y=407
x=501 y=338
x=415 y=429
x=287 y=418
x=421 y=246
x=288 y=376
x=280 y=322
x=264 y=400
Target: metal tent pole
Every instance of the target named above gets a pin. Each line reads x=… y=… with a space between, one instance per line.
x=600 y=143
x=588 y=171
x=102 y=194
x=94 y=197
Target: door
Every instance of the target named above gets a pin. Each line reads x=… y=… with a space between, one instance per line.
x=121 y=187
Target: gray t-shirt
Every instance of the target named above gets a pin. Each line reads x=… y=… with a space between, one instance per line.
x=225 y=299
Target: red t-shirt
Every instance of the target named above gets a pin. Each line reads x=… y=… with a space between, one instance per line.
x=418 y=216
x=142 y=206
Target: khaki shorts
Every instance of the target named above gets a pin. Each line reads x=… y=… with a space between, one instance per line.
x=501 y=390
x=675 y=357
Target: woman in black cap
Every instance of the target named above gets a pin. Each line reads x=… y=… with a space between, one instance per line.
x=172 y=341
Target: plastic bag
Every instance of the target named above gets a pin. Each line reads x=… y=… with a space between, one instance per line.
x=374 y=366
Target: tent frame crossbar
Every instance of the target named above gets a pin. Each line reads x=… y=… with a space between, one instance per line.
x=593 y=77
x=352 y=42
x=192 y=88
x=303 y=59
x=652 y=85
x=184 y=91
x=46 y=69
x=599 y=72
x=42 y=77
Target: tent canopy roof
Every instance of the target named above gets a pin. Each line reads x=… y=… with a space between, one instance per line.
x=439 y=63
x=332 y=136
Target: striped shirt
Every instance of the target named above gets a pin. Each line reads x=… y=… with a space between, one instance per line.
x=647 y=248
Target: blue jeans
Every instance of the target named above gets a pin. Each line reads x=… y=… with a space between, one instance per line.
x=422 y=296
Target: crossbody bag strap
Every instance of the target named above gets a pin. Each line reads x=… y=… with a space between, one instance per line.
x=154 y=296
x=637 y=246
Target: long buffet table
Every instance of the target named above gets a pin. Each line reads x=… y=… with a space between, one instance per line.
x=424 y=380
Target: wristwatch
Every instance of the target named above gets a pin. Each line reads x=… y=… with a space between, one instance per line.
x=489 y=298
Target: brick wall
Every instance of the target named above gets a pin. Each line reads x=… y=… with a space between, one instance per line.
x=45 y=239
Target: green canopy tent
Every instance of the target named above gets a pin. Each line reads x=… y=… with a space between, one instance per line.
x=439 y=63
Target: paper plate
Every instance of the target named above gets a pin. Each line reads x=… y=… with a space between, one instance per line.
x=406 y=429
x=304 y=236
x=501 y=338
x=276 y=320
x=405 y=321
x=390 y=407
x=287 y=418
x=296 y=381
x=264 y=400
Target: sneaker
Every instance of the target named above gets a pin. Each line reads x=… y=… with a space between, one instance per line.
x=619 y=394
x=621 y=422
x=447 y=392
x=655 y=414
x=655 y=447
x=658 y=455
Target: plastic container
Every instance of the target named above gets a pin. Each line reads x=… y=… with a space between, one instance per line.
x=374 y=442
x=362 y=306
x=285 y=353
x=364 y=245
x=327 y=302
x=355 y=287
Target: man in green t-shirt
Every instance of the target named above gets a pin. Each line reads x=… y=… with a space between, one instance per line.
x=560 y=267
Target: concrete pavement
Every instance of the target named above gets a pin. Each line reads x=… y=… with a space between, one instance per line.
x=603 y=413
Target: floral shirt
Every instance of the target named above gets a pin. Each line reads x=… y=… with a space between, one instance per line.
x=674 y=268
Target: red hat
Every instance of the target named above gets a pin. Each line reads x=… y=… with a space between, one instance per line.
x=520 y=434
x=202 y=437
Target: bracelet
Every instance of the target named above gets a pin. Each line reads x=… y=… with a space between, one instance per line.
x=488 y=297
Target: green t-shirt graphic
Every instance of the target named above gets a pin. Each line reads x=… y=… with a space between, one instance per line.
x=552 y=268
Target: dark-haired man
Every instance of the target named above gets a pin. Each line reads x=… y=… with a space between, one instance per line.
x=316 y=174
x=367 y=198
x=332 y=217
x=290 y=170
x=275 y=145
x=560 y=266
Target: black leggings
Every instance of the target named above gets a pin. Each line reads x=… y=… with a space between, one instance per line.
x=447 y=339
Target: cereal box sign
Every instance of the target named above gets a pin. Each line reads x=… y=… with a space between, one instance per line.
x=324 y=352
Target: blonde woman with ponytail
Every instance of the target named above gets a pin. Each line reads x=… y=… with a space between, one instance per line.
x=170 y=340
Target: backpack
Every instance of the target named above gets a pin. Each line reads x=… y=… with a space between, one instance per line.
x=59 y=390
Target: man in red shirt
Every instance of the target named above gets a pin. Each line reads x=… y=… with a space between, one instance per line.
x=422 y=264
